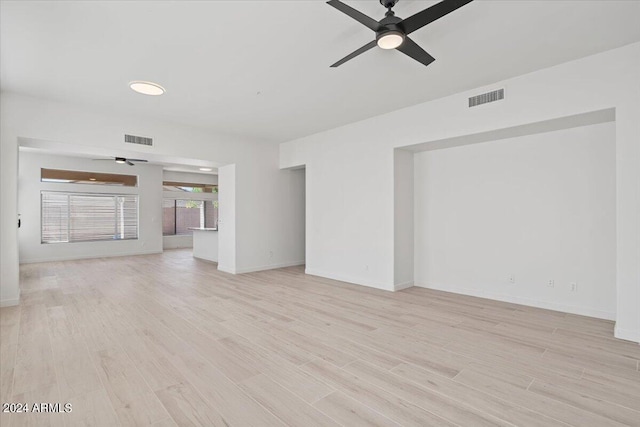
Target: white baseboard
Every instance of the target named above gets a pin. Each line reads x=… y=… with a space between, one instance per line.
x=268 y=267
x=549 y=305
x=626 y=334
x=226 y=270
x=71 y=258
x=205 y=260
x=348 y=279
x=9 y=302
x=401 y=286
x=260 y=268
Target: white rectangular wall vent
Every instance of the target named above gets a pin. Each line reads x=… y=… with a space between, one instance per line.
x=142 y=140
x=493 y=96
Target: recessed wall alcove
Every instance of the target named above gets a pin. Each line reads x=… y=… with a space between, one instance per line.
x=525 y=214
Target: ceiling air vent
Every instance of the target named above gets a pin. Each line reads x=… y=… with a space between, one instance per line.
x=496 y=95
x=142 y=140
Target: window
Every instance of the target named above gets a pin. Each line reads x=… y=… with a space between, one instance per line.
x=186 y=187
x=94 y=178
x=74 y=217
x=179 y=215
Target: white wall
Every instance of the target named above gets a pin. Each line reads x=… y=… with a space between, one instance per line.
x=181 y=241
x=149 y=194
x=350 y=206
x=350 y=188
x=263 y=218
x=227 y=219
x=185 y=240
x=403 y=224
x=275 y=212
x=539 y=207
x=296 y=213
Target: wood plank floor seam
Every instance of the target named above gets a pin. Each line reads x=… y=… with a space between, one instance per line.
x=459 y=401
x=231 y=380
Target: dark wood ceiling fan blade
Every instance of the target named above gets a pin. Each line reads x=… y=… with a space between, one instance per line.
x=129 y=163
x=430 y=14
x=137 y=160
x=355 y=14
x=411 y=49
x=352 y=55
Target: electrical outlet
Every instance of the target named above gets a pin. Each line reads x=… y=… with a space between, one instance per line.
x=512 y=278
x=573 y=287
x=551 y=283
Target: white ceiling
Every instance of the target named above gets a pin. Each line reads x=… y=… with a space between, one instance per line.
x=261 y=68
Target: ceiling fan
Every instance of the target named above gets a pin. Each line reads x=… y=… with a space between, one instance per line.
x=393 y=32
x=123 y=160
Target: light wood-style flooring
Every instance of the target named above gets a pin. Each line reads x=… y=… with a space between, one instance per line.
x=166 y=340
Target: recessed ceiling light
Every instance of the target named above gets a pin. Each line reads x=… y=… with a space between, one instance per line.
x=206 y=169
x=146 y=88
x=92 y=179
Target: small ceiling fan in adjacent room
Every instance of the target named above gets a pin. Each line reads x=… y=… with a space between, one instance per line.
x=123 y=160
x=393 y=32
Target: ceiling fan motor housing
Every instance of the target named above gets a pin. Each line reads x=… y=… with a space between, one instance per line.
x=390 y=24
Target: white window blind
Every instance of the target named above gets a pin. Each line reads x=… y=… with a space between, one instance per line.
x=72 y=217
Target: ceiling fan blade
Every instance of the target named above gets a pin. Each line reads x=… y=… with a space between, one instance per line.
x=410 y=48
x=129 y=163
x=137 y=160
x=355 y=14
x=430 y=14
x=352 y=55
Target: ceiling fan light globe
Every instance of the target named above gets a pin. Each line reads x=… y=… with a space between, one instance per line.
x=390 y=40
